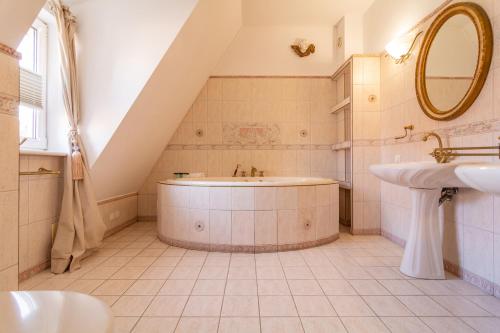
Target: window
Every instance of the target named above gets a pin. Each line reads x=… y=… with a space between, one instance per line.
x=33 y=79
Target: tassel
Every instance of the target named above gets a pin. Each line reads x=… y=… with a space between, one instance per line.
x=77 y=165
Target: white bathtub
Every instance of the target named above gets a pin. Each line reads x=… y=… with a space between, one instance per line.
x=259 y=214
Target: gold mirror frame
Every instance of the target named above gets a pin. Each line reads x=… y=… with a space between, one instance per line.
x=485 y=51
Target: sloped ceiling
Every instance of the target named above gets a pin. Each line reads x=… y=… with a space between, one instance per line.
x=16 y=17
x=148 y=124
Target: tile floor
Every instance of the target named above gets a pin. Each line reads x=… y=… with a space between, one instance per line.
x=351 y=285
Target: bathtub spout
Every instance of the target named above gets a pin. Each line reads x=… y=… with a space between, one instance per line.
x=235 y=173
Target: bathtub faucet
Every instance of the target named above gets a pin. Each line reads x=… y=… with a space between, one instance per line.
x=253 y=171
x=235 y=173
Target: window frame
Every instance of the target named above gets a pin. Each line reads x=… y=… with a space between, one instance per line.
x=41 y=49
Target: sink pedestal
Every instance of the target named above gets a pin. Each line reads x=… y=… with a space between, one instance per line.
x=423 y=255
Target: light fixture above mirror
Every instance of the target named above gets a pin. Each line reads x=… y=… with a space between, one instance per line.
x=400 y=48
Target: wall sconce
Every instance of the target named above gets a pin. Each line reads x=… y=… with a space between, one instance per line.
x=400 y=49
x=303 y=48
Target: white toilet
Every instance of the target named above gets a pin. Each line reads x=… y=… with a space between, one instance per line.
x=53 y=312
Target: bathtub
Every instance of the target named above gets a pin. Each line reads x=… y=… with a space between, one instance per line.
x=248 y=214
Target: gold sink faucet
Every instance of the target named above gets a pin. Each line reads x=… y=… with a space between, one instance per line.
x=440 y=154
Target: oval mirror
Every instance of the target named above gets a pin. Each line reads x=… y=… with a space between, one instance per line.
x=454 y=60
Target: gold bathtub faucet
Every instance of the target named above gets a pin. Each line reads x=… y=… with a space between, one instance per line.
x=253 y=171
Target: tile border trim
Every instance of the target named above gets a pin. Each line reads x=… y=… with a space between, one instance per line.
x=247 y=248
x=247 y=147
x=117 y=198
x=9 y=105
x=10 y=51
x=22 y=276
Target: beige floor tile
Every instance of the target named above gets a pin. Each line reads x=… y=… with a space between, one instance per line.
x=186 y=272
x=177 y=287
x=113 y=287
x=174 y=252
x=116 y=262
x=483 y=324
x=131 y=305
x=322 y=325
x=298 y=273
x=166 y=261
x=241 y=287
x=166 y=306
x=213 y=272
x=364 y=325
x=53 y=284
x=101 y=272
x=305 y=287
x=423 y=306
x=241 y=272
x=203 y=306
x=127 y=272
x=461 y=287
x=124 y=324
x=314 y=306
x=145 y=287
x=406 y=325
x=325 y=272
x=383 y=273
x=387 y=306
x=400 y=287
x=240 y=325
x=156 y=273
x=240 y=306
x=84 y=286
x=350 y=306
x=151 y=252
x=270 y=272
x=128 y=252
x=109 y=300
x=459 y=306
x=273 y=287
x=217 y=260
x=242 y=260
x=447 y=325
x=281 y=325
x=197 y=325
x=432 y=287
x=337 y=287
x=191 y=261
x=274 y=306
x=196 y=253
x=141 y=261
x=156 y=325
x=368 y=287
x=488 y=303
x=209 y=287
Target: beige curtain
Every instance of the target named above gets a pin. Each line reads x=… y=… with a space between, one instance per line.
x=80 y=226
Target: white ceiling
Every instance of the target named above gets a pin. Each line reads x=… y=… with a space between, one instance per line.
x=300 y=12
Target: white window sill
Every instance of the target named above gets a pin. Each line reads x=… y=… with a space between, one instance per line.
x=41 y=152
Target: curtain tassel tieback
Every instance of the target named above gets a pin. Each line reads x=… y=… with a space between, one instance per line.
x=76 y=158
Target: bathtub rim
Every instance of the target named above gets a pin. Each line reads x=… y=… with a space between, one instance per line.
x=286 y=182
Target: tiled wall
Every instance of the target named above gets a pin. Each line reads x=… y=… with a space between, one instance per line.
x=39 y=205
x=472 y=220
x=254 y=122
x=365 y=131
x=9 y=168
x=40 y=199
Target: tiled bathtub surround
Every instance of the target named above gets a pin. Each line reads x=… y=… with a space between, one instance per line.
x=248 y=219
x=254 y=121
x=9 y=167
x=472 y=220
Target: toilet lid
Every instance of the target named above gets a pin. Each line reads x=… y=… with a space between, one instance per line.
x=53 y=312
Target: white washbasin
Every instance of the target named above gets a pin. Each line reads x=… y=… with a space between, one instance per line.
x=482 y=177
x=424 y=175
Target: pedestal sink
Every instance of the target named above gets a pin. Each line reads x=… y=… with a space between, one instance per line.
x=482 y=177
x=423 y=256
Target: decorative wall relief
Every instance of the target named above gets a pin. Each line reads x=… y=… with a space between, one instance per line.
x=251 y=133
